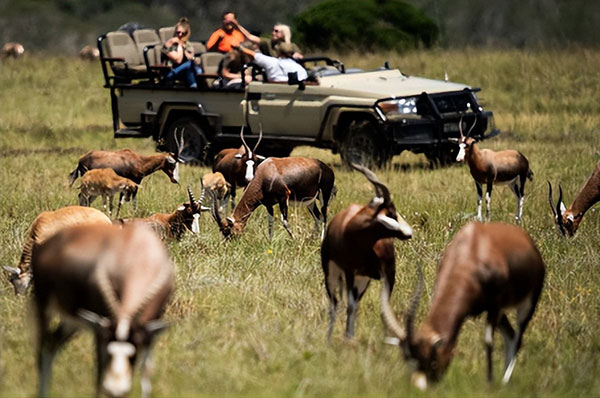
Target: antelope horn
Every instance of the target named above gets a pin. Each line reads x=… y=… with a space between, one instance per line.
x=460 y=127
x=215 y=212
x=380 y=188
x=246 y=147
x=412 y=310
x=193 y=203
x=387 y=314
x=260 y=133
x=178 y=142
x=472 y=127
x=551 y=200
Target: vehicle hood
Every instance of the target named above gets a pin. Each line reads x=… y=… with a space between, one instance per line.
x=386 y=83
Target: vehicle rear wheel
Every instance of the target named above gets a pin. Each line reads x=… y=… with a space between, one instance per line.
x=363 y=146
x=192 y=137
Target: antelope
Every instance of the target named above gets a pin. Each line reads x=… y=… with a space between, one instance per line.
x=216 y=182
x=568 y=220
x=89 y=53
x=487 y=267
x=277 y=181
x=43 y=227
x=359 y=246
x=238 y=165
x=172 y=225
x=116 y=280
x=489 y=167
x=105 y=183
x=12 y=49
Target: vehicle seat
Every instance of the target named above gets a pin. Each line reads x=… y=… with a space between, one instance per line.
x=210 y=66
x=166 y=33
x=146 y=37
x=120 y=45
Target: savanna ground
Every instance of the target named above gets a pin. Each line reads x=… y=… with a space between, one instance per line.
x=249 y=317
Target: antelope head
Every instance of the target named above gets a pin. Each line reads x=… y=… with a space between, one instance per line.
x=566 y=221
x=464 y=142
x=251 y=155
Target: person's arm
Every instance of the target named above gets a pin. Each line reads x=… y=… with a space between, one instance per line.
x=249 y=36
x=174 y=50
x=245 y=50
x=213 y=41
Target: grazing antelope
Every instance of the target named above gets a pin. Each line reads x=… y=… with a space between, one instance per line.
x=172 y=225
x=238 y=165
x=12 y=49
x=128 y=164
x=89 y=53
x=116 y=280
x=105 y=183
x=216 y=182
x=358 y=247
x=277 y=181
x=487 y=267
x=568 y=219
x=43 y=227
x=489 y=167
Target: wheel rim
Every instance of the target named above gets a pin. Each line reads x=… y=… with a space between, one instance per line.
x=194 y=142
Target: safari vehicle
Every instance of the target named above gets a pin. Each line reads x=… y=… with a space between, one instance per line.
x=366 y=116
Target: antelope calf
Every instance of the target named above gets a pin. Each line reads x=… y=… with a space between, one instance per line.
x=277 y=181
x=359 y=246
x=89 y=53
x=172 y=225
x=12 y=49
x=486 y=268
x=116 y=281
x=106 y=183
x=238 y=165
x=568 y=219
x=216 y=182
x=43 y=227
x=489 y=167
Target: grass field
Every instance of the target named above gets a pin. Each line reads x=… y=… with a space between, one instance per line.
x=249 y=317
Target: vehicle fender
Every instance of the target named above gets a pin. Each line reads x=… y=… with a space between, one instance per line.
x=337 y=118
x=177 y=109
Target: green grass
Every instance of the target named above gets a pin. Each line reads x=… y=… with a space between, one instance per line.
x=250 y=317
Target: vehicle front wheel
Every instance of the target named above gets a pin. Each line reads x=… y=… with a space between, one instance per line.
x=363 y=145
x=187 y=138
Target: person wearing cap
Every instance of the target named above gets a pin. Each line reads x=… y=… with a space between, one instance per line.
x=277 y=68
x=230 y=33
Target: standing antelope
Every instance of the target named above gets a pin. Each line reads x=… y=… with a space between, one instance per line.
x=12 y=49
x=358 y=247
x=489 y=167
x=277 y=181
x=115 y=280
x=105 y=183
x=172 y=225
x=45 y=225
x=238 y=165
x=568 y=219
x=486 y=268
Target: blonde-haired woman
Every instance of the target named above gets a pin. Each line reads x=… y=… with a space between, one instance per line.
x=283 y=34
x=180 y=54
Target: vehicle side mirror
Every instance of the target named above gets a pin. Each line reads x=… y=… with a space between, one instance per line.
x=293 y=80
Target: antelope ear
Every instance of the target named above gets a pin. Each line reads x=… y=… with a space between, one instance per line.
x=181 y=208
x=171 y=159
x=94 y=320
x=230 y=221
x=13 y=271
x=238 y=156
x=156 y=327
x=260 y=157
x=454 y=139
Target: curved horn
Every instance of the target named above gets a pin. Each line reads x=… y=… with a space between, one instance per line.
x=387 y=314
x=560 y=208
x=551 y=200
x=472 y=127
x=246 y=147
x=412 y=310
x=179 y=143
x=193 y=203
x=215 y=213
x=380 y=188
x=460 y=127
x=260 y=133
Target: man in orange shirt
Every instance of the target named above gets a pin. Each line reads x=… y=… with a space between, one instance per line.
x=230 y=33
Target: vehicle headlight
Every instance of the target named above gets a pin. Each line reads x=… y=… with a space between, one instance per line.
x=402 y=106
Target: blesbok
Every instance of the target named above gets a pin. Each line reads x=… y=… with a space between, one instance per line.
x=128 y=164
x=489 y=167
x=89 y=53
x=277 y=181
x=45 y=225
x=12 y=49
x=568 y=219
x=487 y=267
x=359 y=246
x=106 y=183
x=116 y=280
x=172 y=225
x=238 y=165
x=215 y=182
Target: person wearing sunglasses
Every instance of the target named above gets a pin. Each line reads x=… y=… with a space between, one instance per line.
x=283 y=34
x=180 y=54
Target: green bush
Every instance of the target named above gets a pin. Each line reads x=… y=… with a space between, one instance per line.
x=364 y=25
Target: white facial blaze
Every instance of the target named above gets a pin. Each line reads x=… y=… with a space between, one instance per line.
x=461 y=152
x=195 y=224
x=249 y=170
x=419 y=380
x=394 y=225
x=117 y=380
x=563 y=208
x=176 y=172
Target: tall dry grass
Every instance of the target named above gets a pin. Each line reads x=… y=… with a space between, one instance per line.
x=249 y=317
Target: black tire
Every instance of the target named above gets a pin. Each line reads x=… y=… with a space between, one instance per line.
x=195 y=149
x=363 y=145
